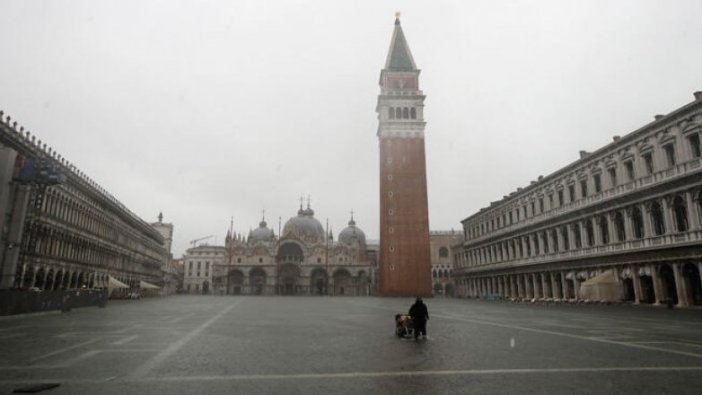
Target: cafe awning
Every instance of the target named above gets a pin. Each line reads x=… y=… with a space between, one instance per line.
x=113 y=283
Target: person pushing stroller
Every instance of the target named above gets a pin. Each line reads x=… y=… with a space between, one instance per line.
x=420 y=316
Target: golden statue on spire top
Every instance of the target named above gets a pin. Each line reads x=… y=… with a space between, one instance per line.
x=397 y=14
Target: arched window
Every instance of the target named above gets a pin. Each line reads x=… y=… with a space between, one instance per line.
x=398 y=113
x=433 y=273
x=657 y=219
x=637 y=223
x=566 y=238
x=413 y=113
x=604 y=229
x=680 y=210
x=619 y=226
x=554 y=237
x=521 y=248
x=590 y=233
x=443 y=252
x=405 y=113
x=391 y=113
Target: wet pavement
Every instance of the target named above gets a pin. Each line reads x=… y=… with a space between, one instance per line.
x=224 y=345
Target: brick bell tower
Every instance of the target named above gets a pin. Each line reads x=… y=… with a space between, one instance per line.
x=405 y=268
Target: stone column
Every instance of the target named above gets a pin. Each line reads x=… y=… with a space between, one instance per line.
x=540 y=240
x=611 y=228
x=576 y=286
x=636 y=279
x=560 y=240
x=648 y=227
x=519 y=287
x=545 y=291
x=668 y=216
x=532 y=244
x=692 y=211
x=628 y=225
x=564 y=286
x=524 y=248
x=658 y=294
x=510 y=249
x=597 y=232
x=550 y=241
x=571 y=235
x=532 y=284
x=554 y=287
x=680 y=285
x=583 y=234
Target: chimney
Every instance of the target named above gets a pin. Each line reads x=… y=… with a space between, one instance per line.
x=698 y=95
x=658 y=117
x=616 y=138
x=584 y=154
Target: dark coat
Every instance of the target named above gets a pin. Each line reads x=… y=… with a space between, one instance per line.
x=419 y=312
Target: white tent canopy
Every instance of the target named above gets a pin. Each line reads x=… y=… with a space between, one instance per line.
x=113 y=283
x=604 y=287
x=144 y=285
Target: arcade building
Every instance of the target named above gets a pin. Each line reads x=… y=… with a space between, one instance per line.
x=626 y=218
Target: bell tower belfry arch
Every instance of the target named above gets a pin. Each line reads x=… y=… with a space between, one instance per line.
x=405 y=268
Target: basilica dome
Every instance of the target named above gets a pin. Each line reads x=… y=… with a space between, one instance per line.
x=261 y=234
x=352 y=234
x=305 y=226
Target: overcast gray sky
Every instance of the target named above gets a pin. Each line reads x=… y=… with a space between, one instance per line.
x=210 y=109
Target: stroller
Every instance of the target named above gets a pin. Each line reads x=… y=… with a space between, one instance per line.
x=403 y=326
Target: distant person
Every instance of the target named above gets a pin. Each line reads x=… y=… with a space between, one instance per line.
x=420 y=316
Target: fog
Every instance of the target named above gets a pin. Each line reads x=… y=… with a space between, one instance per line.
x=208 y=110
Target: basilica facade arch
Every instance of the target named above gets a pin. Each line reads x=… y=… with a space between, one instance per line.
x=305 y=260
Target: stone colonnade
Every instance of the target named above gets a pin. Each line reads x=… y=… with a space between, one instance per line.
x=677 y=283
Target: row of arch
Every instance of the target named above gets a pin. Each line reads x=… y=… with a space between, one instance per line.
x=54 y=243
x=669 y=215
x=608 y=176
x=48 y=279
x=402 y=113
x=290 y=281
x=677 y=283
x=81 y=216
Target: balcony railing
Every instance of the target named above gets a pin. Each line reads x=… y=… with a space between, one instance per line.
x=654 y=242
